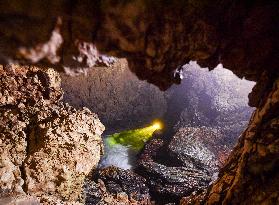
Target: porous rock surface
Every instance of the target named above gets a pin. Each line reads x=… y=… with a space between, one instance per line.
x=114 y=181
x=47 y=147
x=159 y=36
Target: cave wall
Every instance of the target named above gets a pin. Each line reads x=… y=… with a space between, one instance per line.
x=157 y=37
x=250 y=176
x=216 y=99
x=47 y=147
x=120 y=99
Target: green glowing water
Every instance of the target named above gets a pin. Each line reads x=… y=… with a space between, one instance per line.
x=132 y=138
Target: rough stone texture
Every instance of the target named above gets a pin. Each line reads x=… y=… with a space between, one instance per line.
x=116 y=181
x=47 y=148
x=97 y=194
x=186 y=163
x=157 y=37
x=116 y=95
x=216 y=99
x=251 y=175
x=199 y=147
x=214 y=105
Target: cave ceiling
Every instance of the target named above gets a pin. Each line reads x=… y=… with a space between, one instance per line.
x=156 y=37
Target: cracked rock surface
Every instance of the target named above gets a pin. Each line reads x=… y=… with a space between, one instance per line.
x=157 y=37
x=184 y=164
x=47 y=147
x=116 y=183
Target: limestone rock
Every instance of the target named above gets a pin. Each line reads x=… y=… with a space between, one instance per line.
x=47 y=147
x=129 y=102
x=63 y=148
x=156 y=37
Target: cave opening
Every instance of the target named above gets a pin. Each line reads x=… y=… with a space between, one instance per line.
x=203 y=118
x=50 y=150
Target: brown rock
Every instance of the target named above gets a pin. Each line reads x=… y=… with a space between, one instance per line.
x=156 y=37
x=253 y=173
x=129 y=102
x=47 y=148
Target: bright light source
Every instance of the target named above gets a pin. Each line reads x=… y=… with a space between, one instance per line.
x=157 y=125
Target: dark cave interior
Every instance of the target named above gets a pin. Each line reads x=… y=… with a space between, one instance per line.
x=73 y=72
x=213 y=104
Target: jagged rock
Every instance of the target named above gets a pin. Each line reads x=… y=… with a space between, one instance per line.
x=200 y=148
x=250 y=175
x=117 y=180
x=175 y=169
x=97 y=194
x=193 y=199
x=129 y=102
x=156 y=37
x=47 y=148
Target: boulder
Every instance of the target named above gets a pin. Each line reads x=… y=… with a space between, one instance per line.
x=47 y=147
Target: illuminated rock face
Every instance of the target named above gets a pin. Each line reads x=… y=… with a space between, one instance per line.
x=215 y=104
x=120 y=99
x=185 y=163
x=252 y=169
x=158 y=37
x=217 y=99
x=47 y=147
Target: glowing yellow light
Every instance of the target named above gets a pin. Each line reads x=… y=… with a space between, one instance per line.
x=157 y=125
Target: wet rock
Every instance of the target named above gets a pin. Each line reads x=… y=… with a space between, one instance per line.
x=201 y=148
x=113 y=182
x=47 y=147
x=185 y=164
x=119 y=180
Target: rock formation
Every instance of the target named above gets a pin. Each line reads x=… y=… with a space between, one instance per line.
x=47 y=147
x=184 y=164
x=157 y=37
x=212 y=105
x=117 y=181
x=251 y=176
x=215 y=99
x=120 y=99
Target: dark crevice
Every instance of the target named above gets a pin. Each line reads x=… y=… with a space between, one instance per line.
x=22 y=167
